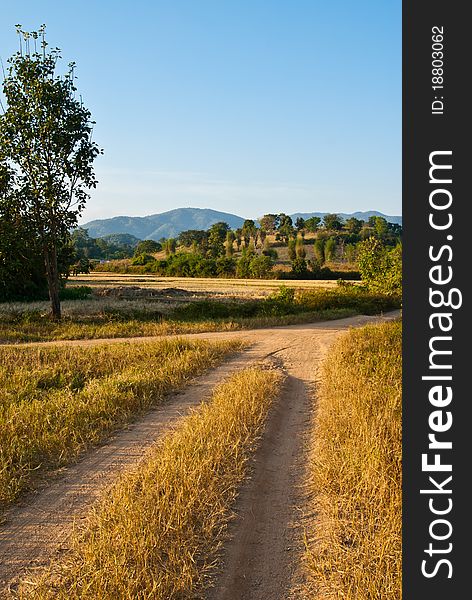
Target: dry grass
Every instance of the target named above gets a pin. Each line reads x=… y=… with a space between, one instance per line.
x=355 y=550
x=157 y=531
x=57 y=401
x=103 y=317
x=47 y=330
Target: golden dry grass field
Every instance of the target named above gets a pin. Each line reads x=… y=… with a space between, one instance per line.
x=354 y=550
x=156 y=532
x=160 y=528
x=219 y=286
x=58 y=401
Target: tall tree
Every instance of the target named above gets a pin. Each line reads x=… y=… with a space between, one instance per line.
x=332 y=222
x=249 y=230
x=269 y=223
x=216 y=239
x=45 y=137
x=312 y=224
x=354 y=225
x=285 y=229
x=300 y=223
x=229 y=243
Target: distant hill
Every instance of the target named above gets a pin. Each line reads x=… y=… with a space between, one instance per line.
x=364 y=216
x=162 y=225
x=173 y=222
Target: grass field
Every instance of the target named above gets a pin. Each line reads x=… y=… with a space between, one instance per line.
x=156 y=533
x=354 y=550
x=58 y=401
x=99 y=317
x=196 y=284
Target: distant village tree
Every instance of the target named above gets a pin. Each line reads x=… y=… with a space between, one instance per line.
x=312 y=224
x=269 y=223
x=229 y=243
x=45 y=138
x=285 y=230
x=216 y=238
x=249 y=231
x=332 y=222
x=170 y=246
x=300 y=248
x=354 y=225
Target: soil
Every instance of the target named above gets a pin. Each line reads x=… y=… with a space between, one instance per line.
x=260 y=559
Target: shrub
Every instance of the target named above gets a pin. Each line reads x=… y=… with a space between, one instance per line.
x=79 y=292
x=141 y=259
x=260 y=266
x=381 y=267
x=299 y=268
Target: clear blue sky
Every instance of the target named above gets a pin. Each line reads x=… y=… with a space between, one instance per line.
x=246 y=106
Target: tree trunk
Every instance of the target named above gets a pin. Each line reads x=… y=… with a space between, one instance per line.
x=52 y=276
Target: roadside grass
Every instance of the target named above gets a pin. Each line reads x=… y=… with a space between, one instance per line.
x=284 y=307
x=354 y=545
x=58 y=401
x=156 y=532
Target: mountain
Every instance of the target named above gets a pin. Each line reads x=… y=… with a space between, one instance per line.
x=162 y=225
x=173 y=222
x=364 y=216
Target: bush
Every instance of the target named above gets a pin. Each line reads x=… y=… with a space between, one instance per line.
x=381 y=267
x=141 y=259
x=79 y=292
x=260 y=266
x=271 y=252
x=299 y=268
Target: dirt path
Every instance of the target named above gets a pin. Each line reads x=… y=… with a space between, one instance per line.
x=260 y=557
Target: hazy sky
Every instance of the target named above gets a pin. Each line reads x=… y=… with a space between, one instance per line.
x=245 y=106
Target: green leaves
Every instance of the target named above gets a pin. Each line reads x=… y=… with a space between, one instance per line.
x=46 y=144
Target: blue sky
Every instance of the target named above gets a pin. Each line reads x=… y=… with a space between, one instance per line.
x=245 y=106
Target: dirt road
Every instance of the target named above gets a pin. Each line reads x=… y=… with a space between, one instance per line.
x=264 y=544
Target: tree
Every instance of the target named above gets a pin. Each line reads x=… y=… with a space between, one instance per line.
x=351 y=253
x=285 y=230
x=299 y=268
x=216 y=239
x=300 y=223
x=229 y=243
x=21 y=269
x=319 y=251
x=313 y=224
x=147 y=247
x=170 y=246
x=381 y=227
x=332 y=222
x=249 y=231
x=237 y=235
x=354 y=225
x=45 y=136
x=194 y=238
x=300 y=248
x=381 y=267
x=330 y=249
x=269 y=223
x=260 y=266
x=292 y=249
x=225 y=266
